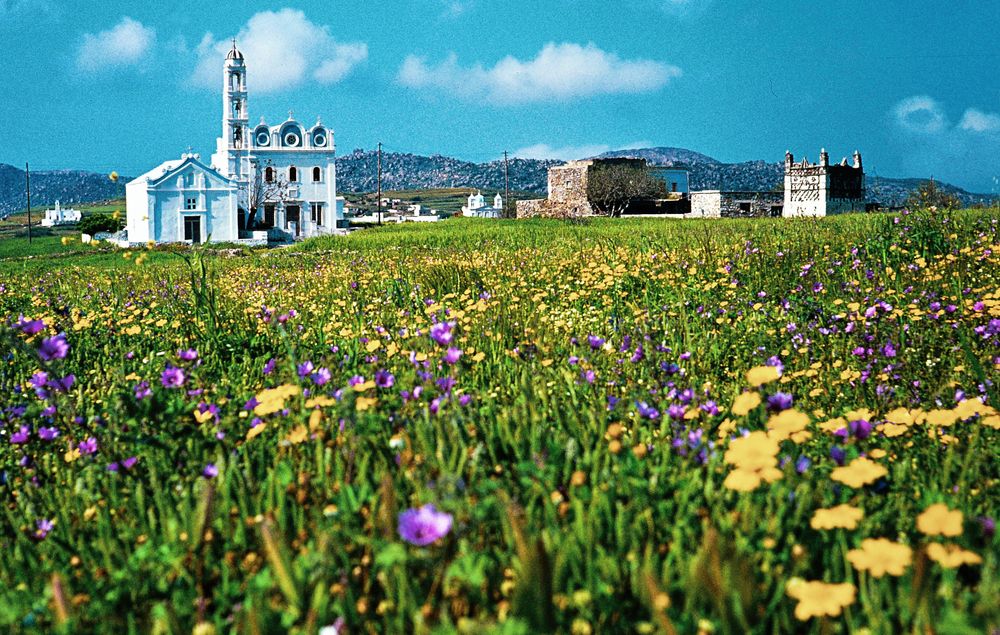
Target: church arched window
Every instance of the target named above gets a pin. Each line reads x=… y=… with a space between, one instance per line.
x=293 y=174
x=269 y=174
x=317 y=175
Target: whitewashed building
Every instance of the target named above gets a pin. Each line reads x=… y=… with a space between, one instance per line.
x=182 y=200
x=276 y=182
x=476 y=206
x=822 y=189
x=60 y=216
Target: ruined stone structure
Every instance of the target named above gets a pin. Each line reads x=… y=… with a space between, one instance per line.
x=822 y=189
x=568 y=195
x=731 y=204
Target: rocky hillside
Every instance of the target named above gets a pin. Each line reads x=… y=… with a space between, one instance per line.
x=69 y=186
x=357 y=173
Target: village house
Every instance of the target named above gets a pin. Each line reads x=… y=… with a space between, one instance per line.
x=60 y=216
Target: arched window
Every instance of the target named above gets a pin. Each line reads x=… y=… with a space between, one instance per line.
x=269 y=174
x=293 y=174
x=317 y=175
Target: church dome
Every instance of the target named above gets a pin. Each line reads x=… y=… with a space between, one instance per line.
x=234 y=54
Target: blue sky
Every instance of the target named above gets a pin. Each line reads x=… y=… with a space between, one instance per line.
x=914 y=85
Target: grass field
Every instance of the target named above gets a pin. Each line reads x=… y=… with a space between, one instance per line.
x=631 y=426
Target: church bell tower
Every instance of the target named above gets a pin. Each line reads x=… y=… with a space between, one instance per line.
x=235 y=118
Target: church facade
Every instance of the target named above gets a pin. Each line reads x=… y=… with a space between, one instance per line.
x=273 y=183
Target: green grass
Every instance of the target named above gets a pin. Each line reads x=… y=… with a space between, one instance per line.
x=575 y=508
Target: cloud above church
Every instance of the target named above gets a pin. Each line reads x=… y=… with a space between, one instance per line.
x=925 y=115
x=127 y=44
x=560 y=72
x=283 y=49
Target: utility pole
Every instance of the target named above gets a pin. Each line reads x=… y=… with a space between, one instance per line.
x=506 y=184
x=380 y=183
x=27 y=189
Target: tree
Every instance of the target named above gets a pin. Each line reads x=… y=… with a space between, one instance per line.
x=258 y=190
x=612 y=188
x=95 y=223
x=930 y=195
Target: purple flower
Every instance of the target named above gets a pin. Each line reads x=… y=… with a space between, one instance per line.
x=424 y=525
x=779 y=401
x=441 y=332
x=142 y=391
x=588 y=376
x=452 y=355
x=676 y=411
x=30 y=327
x=802 y=464
x=188 y=355
x=42 y=528
x=305 y=368
x=321 y=376
x=595 y=342
x=21 y=436
x=861 y=429
x=48 y=434
x=53 y=348
x=210 y=471
x=64 y=384
x=88 y=447
x=384 y=379
x=838 y=455
x=39 y=379
x=646 y=411
x=172 y=377
x=130 y=462
x=269 y=366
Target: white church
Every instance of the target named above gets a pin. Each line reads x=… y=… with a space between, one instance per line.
x=476 y=206
x=266 y=183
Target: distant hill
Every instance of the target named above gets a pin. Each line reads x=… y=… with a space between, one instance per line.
x=356 y=172
x=69 y=186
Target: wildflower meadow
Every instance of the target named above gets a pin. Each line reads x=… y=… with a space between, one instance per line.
x=615 y=426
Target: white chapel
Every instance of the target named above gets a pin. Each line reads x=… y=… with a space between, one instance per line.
x=273 y=183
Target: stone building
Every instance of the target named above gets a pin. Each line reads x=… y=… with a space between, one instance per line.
x=822 y=189
x=731 y=204
x=568 y=188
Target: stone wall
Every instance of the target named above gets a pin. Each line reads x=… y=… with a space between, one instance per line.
x=721 y=204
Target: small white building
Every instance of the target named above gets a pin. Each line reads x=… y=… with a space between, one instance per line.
x=182 y=201
x=822 y=189
x=476 y=206
x=60 y=216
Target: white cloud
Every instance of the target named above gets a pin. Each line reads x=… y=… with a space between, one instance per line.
x=569 y=153
x=921 y=114
x=283 y=49
x=979 y=121
x=126 y=44
x=560 y=72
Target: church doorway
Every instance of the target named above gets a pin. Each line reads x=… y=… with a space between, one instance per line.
x=192 y=229
x=293 y=216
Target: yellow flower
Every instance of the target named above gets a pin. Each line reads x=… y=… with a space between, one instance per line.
x=942 y=418
x=752 y=452
x=817 y=599
x=365 y=403
x=951 y=556
x=969 y=408
x=789 y=424
x=746 y=402
x=114 y=177
x=273 y=399
x=938 y=520
x=839 y=517
x=859 y=472
x=745 y=480
x=879 y=556
x=254 y=431
x=762 y=375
